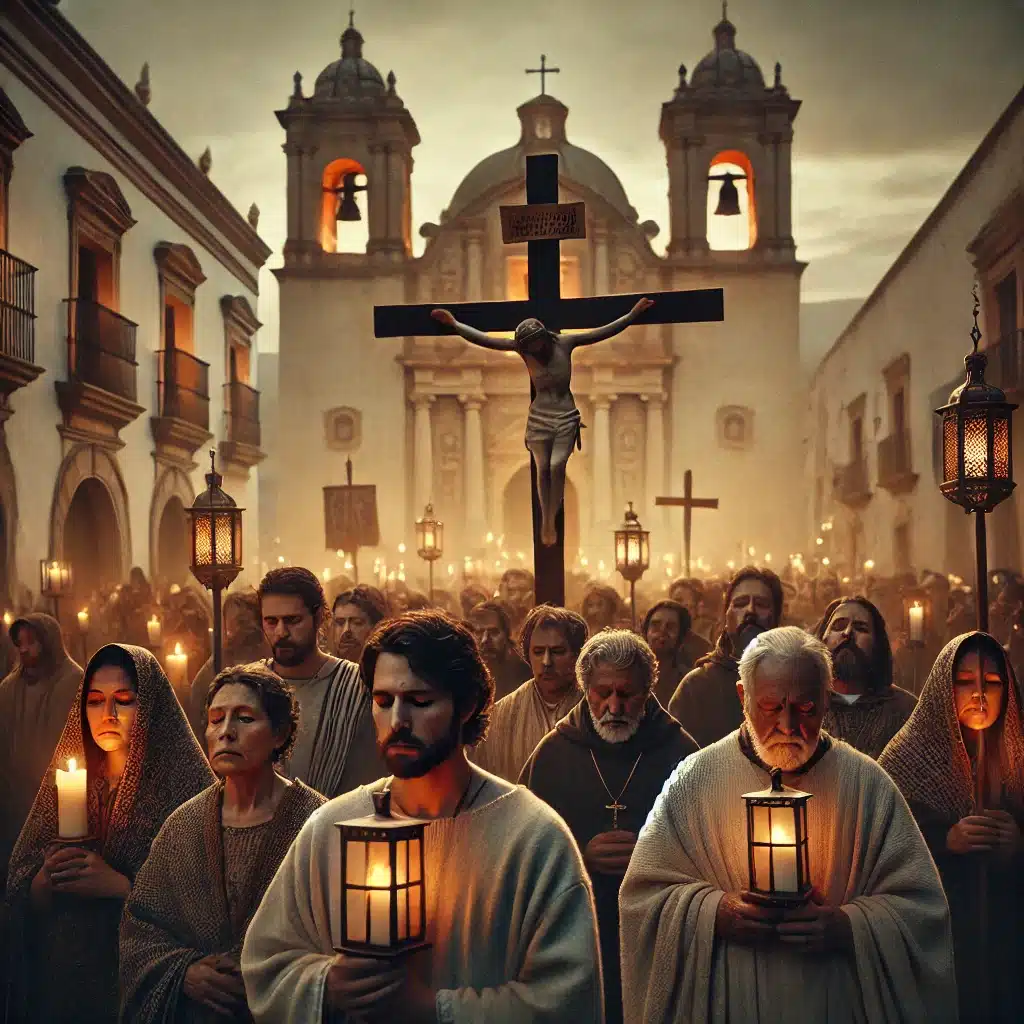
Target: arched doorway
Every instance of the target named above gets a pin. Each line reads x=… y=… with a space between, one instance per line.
x=92 y=541
x=173 y=542
x=517 y=514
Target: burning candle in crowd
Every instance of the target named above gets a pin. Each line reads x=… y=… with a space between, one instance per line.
x=176 y=666
x=916 y=614
x=155 y=631
x=8 y=619
x=83 y=620
x=72 y=802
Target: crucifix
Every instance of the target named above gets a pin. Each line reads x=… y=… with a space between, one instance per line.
x=554 y=425
x=543 y=70
x=689 y=503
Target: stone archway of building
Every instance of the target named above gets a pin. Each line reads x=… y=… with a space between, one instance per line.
x=105 y=509
x=168 y=526
x=8 y=524
x=517 y=515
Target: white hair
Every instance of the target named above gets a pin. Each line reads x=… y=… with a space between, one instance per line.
x=620 y=649
x=788 y=645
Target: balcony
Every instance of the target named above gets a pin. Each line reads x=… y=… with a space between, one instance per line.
x=17 y=328
x=240 y=450
x=1006 y=363
x=182 y=423
x=850 y=484
x=895 y=473
x=99 y=396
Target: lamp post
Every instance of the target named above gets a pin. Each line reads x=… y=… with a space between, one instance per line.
x=216 y=528
x=55 y=582
x=632 y=554
x=977 y=454
x=429 y=543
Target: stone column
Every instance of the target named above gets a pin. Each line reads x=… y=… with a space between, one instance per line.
x=423 y=454
x=602 y=460
x=655 y=468
x=377 y=197
x=679 y=195
x=475 y=480
x=602 y=278
x=784 y=188
x=294 y=154
x=475 y=266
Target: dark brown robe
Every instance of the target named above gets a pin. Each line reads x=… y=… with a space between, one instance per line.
x=509 y=675
x=871 y=721
x=77 y=940
x=181 y=907
x=705 y=702
x=929 y=762
x=561 y=772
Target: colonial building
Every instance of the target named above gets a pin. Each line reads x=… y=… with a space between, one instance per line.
x=874 y=459
x=434 y=419
x=127 y=324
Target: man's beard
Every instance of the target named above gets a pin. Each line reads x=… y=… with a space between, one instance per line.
x=613 y=729
x=292 y=654
x=430 y=755
x=745 y=633
x=786 y=752
x=851 y=664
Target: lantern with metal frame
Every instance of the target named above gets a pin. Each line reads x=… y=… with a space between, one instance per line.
x=429 y=542
x=215 y=523
x=632 y=553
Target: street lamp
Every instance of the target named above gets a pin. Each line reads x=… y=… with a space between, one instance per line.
x=429 y=543
x=55 y=582
x=977 y=456
x=632 y=554
x=216 y=526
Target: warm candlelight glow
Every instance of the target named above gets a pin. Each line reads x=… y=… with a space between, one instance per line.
x=490 y=537
x=8 y=619
x=401 y=548
x=72 y=801
x=826 y=561
x=869 y=565
x=83 y=619
x=176 y=667
x=154 y=631
x=326 y=575
x=819 y=541
x=451 y=569
x=916 y=615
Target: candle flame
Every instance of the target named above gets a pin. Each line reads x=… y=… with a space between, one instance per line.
x=782 y=833
x=72 y=764
x=177 y=649
x=379 y=876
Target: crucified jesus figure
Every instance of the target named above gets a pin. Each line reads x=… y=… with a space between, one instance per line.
x=553 y=425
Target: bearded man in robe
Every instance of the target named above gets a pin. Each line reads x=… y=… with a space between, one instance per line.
x=510 y=913
x=602 y=768
x=705 y=701
x=864 y=708
x=490 y=624
x=959 y=761
x=551 y=639
x=873 y=941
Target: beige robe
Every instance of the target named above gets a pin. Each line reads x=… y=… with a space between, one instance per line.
x=518 y=723
x=867 y=856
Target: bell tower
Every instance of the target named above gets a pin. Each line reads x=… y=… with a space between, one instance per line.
x=349 y=149
x=728 y=138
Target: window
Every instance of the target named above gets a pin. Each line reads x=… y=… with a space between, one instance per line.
x=731 y=179
x=180 y=275
x=856 y=439
x=240 y=324
x=517 y=283
x=898 y=411
x=12 y=134
x=343 y=218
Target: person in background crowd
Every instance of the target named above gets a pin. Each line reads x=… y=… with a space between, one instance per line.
x=516 y=589
x=666 y=627
x=489 y=623
x=354 y=614
x=470 y=596
x=602 y=607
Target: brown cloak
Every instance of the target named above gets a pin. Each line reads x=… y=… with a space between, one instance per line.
x=705 y=703
x=178 y=910
x=78 y=939
x=871 y=721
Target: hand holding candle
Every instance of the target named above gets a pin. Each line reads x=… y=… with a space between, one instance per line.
x=72 y=802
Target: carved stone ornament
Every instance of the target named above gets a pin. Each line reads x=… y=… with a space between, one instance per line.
x=343 y=429
x=735 y=427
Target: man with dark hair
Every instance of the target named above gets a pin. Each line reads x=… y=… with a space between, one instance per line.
x=520 y=941
x=551 y=640
x=668 y=628
x=705 y=702
x=334 y=749
x=691 y=594
x=517 y=589
x=601 y=607
x=354 y=614
x=489 y=622
x=865 y=708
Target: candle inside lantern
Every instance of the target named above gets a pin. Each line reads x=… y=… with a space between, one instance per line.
x=72 y=802
x=83 y=619
x=916 y=614
x=784 y=852
x=176 y=665
x=154 y=631
x=54 y=574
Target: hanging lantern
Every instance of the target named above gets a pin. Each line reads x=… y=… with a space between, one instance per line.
x=348 y=208
x=216 y=534
x=728 y=195
x=632 y=547
x=777 y=844
x=383 y=903
x=429 y=535
x=977 y=458
x=55 y=578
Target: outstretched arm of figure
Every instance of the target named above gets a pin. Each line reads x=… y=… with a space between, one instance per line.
x=471 y=334
x=609 y=330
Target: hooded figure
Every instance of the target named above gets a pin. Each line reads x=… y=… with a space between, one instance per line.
x=75 y=937
x=932 y=760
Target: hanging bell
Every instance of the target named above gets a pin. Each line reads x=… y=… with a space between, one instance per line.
x=728 y=197
x=348 y=208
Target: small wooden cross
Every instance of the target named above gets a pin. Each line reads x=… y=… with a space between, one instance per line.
x=615 y=808
x=689 y=503
x=542 y=71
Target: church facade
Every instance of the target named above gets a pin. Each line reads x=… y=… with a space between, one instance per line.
x=434 y=420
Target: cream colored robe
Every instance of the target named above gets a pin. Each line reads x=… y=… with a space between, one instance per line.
x=866 y=855
x=518 y=723
x=510 y=917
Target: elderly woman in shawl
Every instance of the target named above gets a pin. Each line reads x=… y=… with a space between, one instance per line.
x=959 y=761
x=129 y=730
x=183 y=925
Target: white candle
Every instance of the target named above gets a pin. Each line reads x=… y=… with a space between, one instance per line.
x=176 y=665
x=380 y=905
x=155 y=632
x=783 y=857
x=916 y=614
x=72 y=802
x=54 y=574
x=83 y=620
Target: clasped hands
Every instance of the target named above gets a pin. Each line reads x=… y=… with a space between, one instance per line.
x=812 y=927
x=369 y=990
x=81 y=872
x=215 y=982
x=984 y=832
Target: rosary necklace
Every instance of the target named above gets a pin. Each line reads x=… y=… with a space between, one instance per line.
x=615 y=806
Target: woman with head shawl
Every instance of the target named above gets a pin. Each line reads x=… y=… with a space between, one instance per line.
x=128 y=729
x=959 y=761
x=186 y=917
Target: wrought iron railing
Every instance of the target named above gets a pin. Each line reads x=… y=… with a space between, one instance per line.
x=894 y=458
x=183 y=387
x=850 y=483
x=102 y=348
x=17 y=307
x=242 y=413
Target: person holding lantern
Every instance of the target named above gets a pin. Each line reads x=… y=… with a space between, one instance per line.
x=130 y=760
x=502 y=895
x=959 y=761
x=817 y=904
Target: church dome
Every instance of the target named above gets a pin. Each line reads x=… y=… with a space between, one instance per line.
x=725 y=67
x=543 y=131
x=352 y=77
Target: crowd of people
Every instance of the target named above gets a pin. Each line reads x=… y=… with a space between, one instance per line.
x=586 y=856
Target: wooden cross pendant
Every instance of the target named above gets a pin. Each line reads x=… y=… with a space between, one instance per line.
x=615 y=808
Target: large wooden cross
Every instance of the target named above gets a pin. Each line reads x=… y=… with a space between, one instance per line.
x=688 y=503
x=542 y=229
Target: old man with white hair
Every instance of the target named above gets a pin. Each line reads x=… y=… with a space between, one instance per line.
x=873 y=941
x=602 y=767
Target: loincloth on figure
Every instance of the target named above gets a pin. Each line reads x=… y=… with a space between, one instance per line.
x=545 y=425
